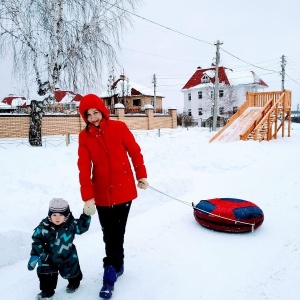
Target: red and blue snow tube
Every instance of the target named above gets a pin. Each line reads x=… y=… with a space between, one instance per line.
x=228 y=215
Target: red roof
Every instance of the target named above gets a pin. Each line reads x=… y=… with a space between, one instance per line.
x=59 y=95
x=197 y=76
x=9 y=99
x=258 y=80
x=77 y=98
x=133 y=91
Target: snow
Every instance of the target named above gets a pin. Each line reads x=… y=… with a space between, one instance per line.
x=4 y=106
x=17 y=102
x=243 y=77
x=168 y=255
x=119 y=105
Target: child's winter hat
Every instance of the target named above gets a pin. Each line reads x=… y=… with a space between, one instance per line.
x=59 y=205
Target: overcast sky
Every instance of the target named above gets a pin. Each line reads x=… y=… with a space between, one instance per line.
x=254 y=35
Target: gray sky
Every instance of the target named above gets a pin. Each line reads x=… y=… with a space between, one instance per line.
x=254 y=34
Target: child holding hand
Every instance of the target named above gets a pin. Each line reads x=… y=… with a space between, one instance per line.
x=53 y=249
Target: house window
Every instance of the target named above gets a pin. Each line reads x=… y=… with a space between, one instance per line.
x=221 y=110
x=205 y=79
x=136 y=102
x=189 y=112
x=189 y=96
x=200 y=111
x=234 y=109
x=221 y=93
x=200 y=95
x=212 y=94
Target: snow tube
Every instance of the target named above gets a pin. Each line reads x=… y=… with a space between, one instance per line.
x=228 y=214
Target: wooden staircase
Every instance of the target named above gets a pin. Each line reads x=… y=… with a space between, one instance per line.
x=275 y=111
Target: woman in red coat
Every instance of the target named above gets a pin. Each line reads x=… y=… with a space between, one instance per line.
x=106 y=180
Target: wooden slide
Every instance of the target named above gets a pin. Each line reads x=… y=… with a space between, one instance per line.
x=258 y=118
x=240 y=125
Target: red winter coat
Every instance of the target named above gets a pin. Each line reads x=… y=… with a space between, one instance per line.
x=105 y=172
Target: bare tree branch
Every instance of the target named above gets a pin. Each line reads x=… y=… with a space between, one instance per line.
x=65 y=43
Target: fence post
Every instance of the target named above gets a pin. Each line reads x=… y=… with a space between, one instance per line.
x=67 y=139
x=173 y=112
x=120 y=111
x=150 y=116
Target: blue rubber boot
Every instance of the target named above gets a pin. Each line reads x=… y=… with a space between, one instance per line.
x=110 y=276
x=121 y=271
x=106 y=291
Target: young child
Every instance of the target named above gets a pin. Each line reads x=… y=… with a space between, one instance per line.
x=53 y=249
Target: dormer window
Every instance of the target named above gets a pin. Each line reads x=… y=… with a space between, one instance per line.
x=205 y=79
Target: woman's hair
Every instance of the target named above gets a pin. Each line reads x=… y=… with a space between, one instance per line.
x=87 y=122
x=86 y=113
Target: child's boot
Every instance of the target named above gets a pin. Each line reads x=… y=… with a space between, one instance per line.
x=45 y=296
x=48 y=284
x=74 y=283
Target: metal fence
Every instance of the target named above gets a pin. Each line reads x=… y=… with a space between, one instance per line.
x=47 y=141
x=65 y=140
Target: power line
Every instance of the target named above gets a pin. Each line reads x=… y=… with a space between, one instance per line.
x=157 y=55
x=248 y=62
x=158 y=24
x=292 y=78
x=197 y=39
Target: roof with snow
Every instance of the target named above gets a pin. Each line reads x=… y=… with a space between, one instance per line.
x=15 y=101
x=4 y=106
x=66 y=96
x=131 y=88
x=226 y=76
x=60 y=97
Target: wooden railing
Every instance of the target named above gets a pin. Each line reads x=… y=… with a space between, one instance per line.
x=267 y=127
x=264 y=112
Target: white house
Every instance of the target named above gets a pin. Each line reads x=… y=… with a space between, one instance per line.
x=233 y=86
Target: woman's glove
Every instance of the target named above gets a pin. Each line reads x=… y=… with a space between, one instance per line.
x=89 y=207
x=142 y=183
x=33 y=261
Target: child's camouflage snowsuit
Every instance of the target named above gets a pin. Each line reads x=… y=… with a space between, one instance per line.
x=54 y=245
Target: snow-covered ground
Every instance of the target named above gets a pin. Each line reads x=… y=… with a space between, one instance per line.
x=168 y=254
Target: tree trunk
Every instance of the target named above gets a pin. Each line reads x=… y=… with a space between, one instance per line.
x=35 y=128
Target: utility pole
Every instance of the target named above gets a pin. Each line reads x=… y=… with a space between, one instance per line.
x=283 y=64
x=122 y=77
x=216 y=93
x=154 y=84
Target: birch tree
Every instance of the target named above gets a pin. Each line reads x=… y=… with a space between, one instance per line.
x=64 y=43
